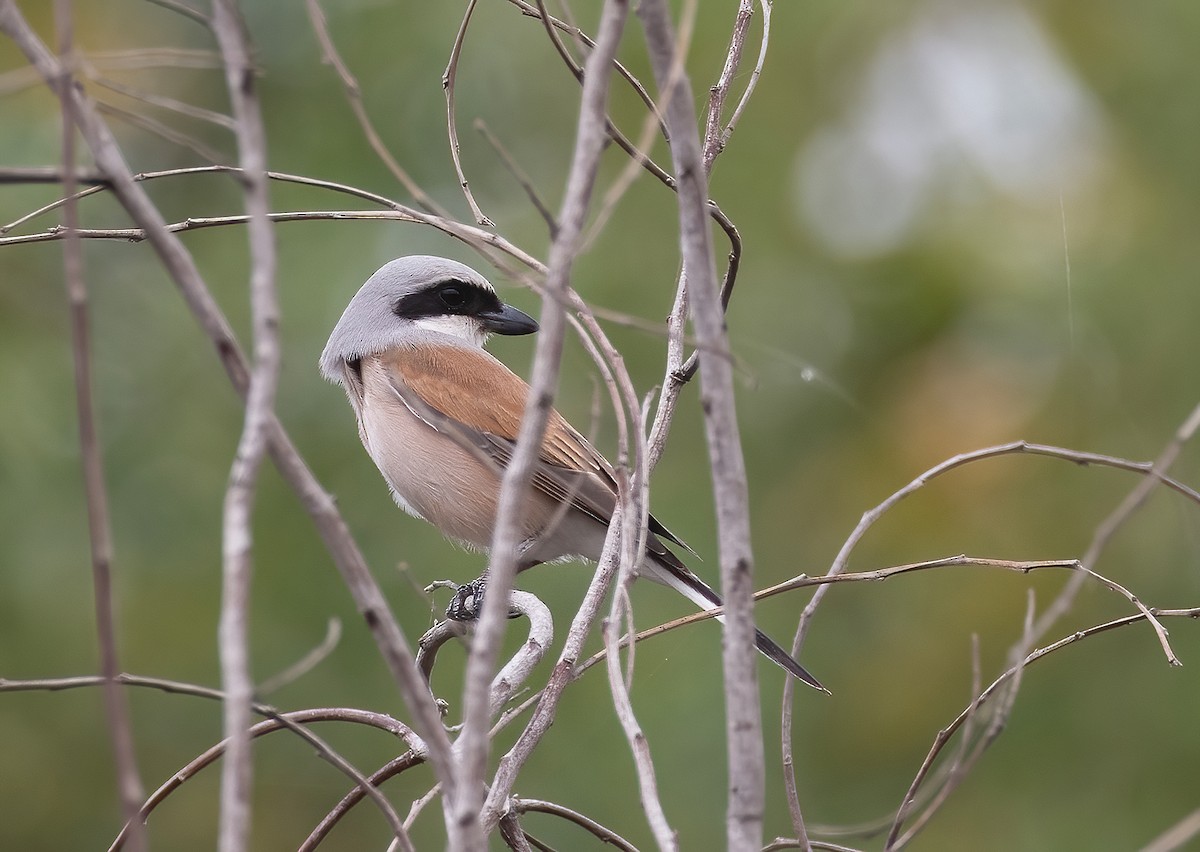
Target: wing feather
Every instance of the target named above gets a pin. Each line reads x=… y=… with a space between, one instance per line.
x=470 y=396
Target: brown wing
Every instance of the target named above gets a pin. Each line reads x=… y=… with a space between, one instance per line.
x=469 y=395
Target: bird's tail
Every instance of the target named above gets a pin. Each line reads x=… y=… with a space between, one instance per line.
x=662 y=566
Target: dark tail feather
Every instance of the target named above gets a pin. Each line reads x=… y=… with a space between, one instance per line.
x=782 y=658
x=664 y=567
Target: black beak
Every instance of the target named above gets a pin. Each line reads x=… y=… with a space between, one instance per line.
x=508 y=320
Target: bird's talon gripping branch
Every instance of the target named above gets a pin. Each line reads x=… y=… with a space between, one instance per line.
x=467 y=603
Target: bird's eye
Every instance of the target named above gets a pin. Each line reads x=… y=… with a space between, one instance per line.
x=453 y=297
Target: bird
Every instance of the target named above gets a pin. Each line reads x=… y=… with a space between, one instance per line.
x=439 y=415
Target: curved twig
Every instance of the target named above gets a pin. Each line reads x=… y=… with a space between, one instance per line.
x=354 y=96
x=294 y=722
x=391 y=769
x=449 y=76
x=298 y=669
x=1014 y=672
x=522 y=179
x=603 y=834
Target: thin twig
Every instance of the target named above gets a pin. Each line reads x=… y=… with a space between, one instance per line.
x=418 y=748
x=518 y=173
x=304 y=180
x=653 y=120
x=962 y=559
x=26 y=77
x=880 y=574
x=720 y=90
x=679 y=371
x=449 y=76
x=512 y=834
x=565 y=672
x=1119 y=516
x=552 y=23
x=116 y=707
x=647 y=784
x=520 y=665
x=1152 y=471
x=163 y=102
x=47 y=174
x=354 y=96
x=606 y=835
x=400 y=838
x=161 y=130
x=184 y=10
x=293 y=722
x=391 y=769
x=298 y=669
x=970 y=753
x=765 y=5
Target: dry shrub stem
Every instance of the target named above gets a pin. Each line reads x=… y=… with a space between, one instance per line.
x=744 y=744
x=116 y=705
x=449 y=77
x=237 y=535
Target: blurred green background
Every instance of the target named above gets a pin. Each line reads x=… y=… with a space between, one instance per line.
x=965 y=223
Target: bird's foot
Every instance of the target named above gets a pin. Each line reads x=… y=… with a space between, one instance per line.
x=467 y=603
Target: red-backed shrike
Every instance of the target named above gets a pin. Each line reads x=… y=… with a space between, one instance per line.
x=440 y=418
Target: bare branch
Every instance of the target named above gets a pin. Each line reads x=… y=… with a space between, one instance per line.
x=754 y=75
x=161 y=130
x=520 y=666
x=519 y=174
x=449 y=77
x=117 y=716
x=1021 y=566
x=720 y=90
x=183 y=9
x=512 y=833
x=1120 y=515
x=553 y=24
x=744 y=823
x=391 y=769
x=565 y=671
x=418 y=748
x=962 y=559
x=1149 y=469
x=293 y=721
x=237 y=536
x=647 y=784
x=716 y=138
x=354 y=96
x=605 y=835
x=163 y=102
x=47 y=174
x=298 y=669
x=970 y=752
